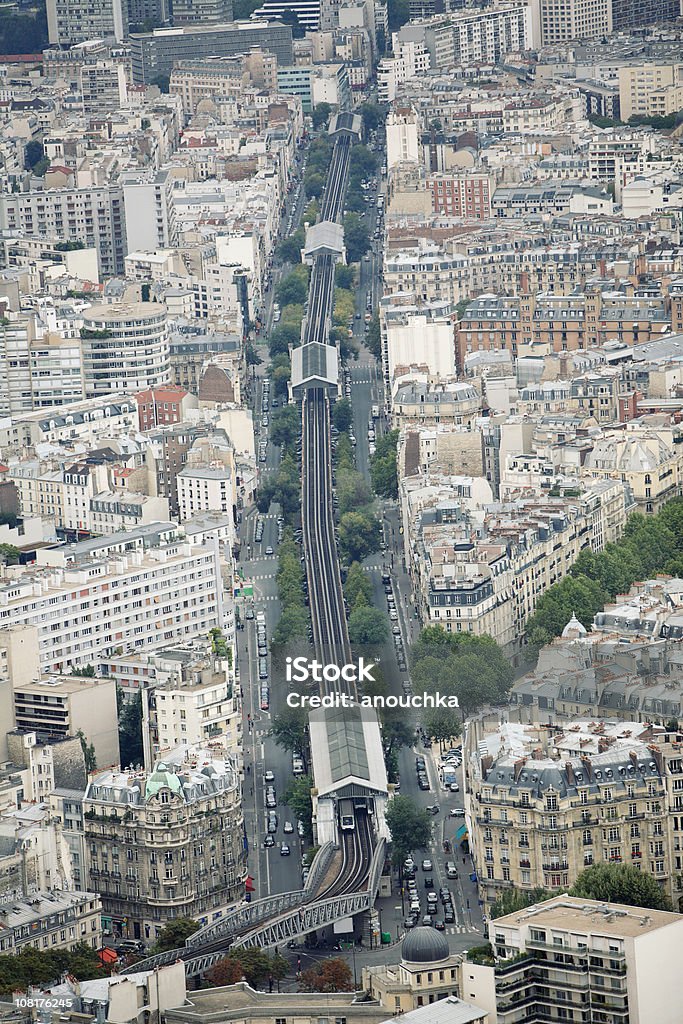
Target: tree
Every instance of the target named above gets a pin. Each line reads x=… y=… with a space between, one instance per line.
x=280 y=372
x=298 y=798
x=356 y=238
x=383 y=466
x=441 y=724
x=289 y=729
x=359 y=535
x=87 y=671
x=282 y=336
x=409 y=825
x=368 y=626
x=242 y=10
x=320 y=115
x=362 y=162
x=174 y=933
x=88 y=752
x=373 y=116
x=620 y=883
x=312 y=212
x=332 y=975
x=373 y=337
x=512 y=900
x=344 y=276
x=162 y=82
x=396 y=733
x=471 y=668
x=227 y=971
x=314 y=185
x=293 y=289
x=33 y=154
x=130 y=729
x=9 y=554
x=357 y=587
x=251 y=355
x=286 y=426
x=35 y=967
x=289 y=249
x=342 y=414
x=250 y=963
x=398 y=13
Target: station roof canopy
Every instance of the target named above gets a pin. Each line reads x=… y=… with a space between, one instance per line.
x=346 y=122
x=314 y=366
x=324 y=239
x=347 y=750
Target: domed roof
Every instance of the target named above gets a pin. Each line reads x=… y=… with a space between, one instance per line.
x=573 y=629
x=161 y=778
x=424 y=946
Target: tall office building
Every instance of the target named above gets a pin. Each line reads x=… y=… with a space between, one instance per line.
x=156 y=53
x=194 y=12
x=76 y=21
x=558 y=21
x=307 y=12
x=636 y=13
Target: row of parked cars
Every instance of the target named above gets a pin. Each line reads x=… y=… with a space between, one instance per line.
x=445 y=897
x=393 y=615
x=421 y=771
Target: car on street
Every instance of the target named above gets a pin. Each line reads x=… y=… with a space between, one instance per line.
x=269 y=550
x=427 y=921
x=272 y=825
x=409 y=922
x=288 y=828
x=449 y=915
x=269 y=841
x=432 y=809
x=269 y=776
x=249 y=613
x=284 y=850
x=301 y=831
x=439 y=925
x=429 y=883
x=457 y=812
x=393 y=615
x=426 y=864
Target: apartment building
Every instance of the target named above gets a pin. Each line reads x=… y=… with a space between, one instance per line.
x=194 y=81
x=166 y=843
x=550 y=198
x=582 y=960
x=466 y=194
x=477 y=35
x=159 y=407
x=125 y=347
x=77 y=21
x=647 y=461
x=545 y=801
x=415 y=338
x=428 y=401
x=582 y=319
x=205 y=488
x=154 y=53
x=490 y=581
x=192 y=696
x=103 y=86
x=51 y=920
x=140 y=588
x=54 y=707
x=560 y=22
x=94 y=215
x=651 y=90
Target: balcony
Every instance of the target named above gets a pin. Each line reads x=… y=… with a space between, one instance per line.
x=561 y=865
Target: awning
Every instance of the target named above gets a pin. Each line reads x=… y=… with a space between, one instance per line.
x=249 y=884
x=462 y=834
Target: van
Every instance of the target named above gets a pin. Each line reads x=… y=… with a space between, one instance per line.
x=451 y=870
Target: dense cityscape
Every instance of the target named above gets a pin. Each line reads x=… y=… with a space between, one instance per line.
x=341 y=511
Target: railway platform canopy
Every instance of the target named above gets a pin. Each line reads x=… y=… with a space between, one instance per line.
x=348 y=760
x=314 y=366
x=346 y=123
x=325 y=239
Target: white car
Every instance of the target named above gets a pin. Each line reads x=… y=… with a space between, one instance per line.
x=288 y=828
x=426 y=864
x=393 y=614
x=269 y=776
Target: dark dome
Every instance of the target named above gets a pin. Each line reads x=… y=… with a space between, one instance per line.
x=424 y=946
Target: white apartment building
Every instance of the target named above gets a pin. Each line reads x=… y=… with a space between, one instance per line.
x=77 y=21
x=410 y=58
x=112 y=511
x=141 y=588
x=149 y=212
x=93 y=215
x=125 y=347
x=204 y=489
x=417 y=340
x=51 y=920
x=402 y=136
x=559 y=21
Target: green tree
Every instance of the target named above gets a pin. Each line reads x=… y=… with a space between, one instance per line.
x=357 y=587
x=87 y=671
x=35 y=967
x=314 y=185
x=162 y=82
x=293 y=289
x=174 y=933
x=356 y=238
x=312 y=212
x=410 y=827
x=342 y=414
x=333 y=975
x=362 y=162
x=398 y=13
x=359 y=535
x=289 y=729
x=130 y=729
x=620 y=883
x=383 y=467
x=251 y=355
x=250 y=963
x=441 y=724
x=282 y=336
x=512 y=900
x=373 y=337
x=242 y=10
x=33 y=154
x=471 y=668
x=286 y=426
x=289 y=249
x=298 y=798
x=320 y=115
x=9 y=554
x=373 y=116
x=396 y=733
x=88 y=749
x=368 y=626
x=344 y=277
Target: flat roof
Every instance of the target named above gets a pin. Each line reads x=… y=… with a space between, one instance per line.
x=347 y=749
x=570 y=913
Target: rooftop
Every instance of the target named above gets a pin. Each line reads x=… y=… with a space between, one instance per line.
x=572 y=914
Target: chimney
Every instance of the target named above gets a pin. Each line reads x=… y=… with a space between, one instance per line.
x=633 y=757
x=519 y=764
x=602 y=745
x=569 y=768
x=486 y=765
x=587 y=766
x=657 y=758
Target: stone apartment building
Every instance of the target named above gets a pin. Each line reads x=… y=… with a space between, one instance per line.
x=165 y=844
x=547 y=800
